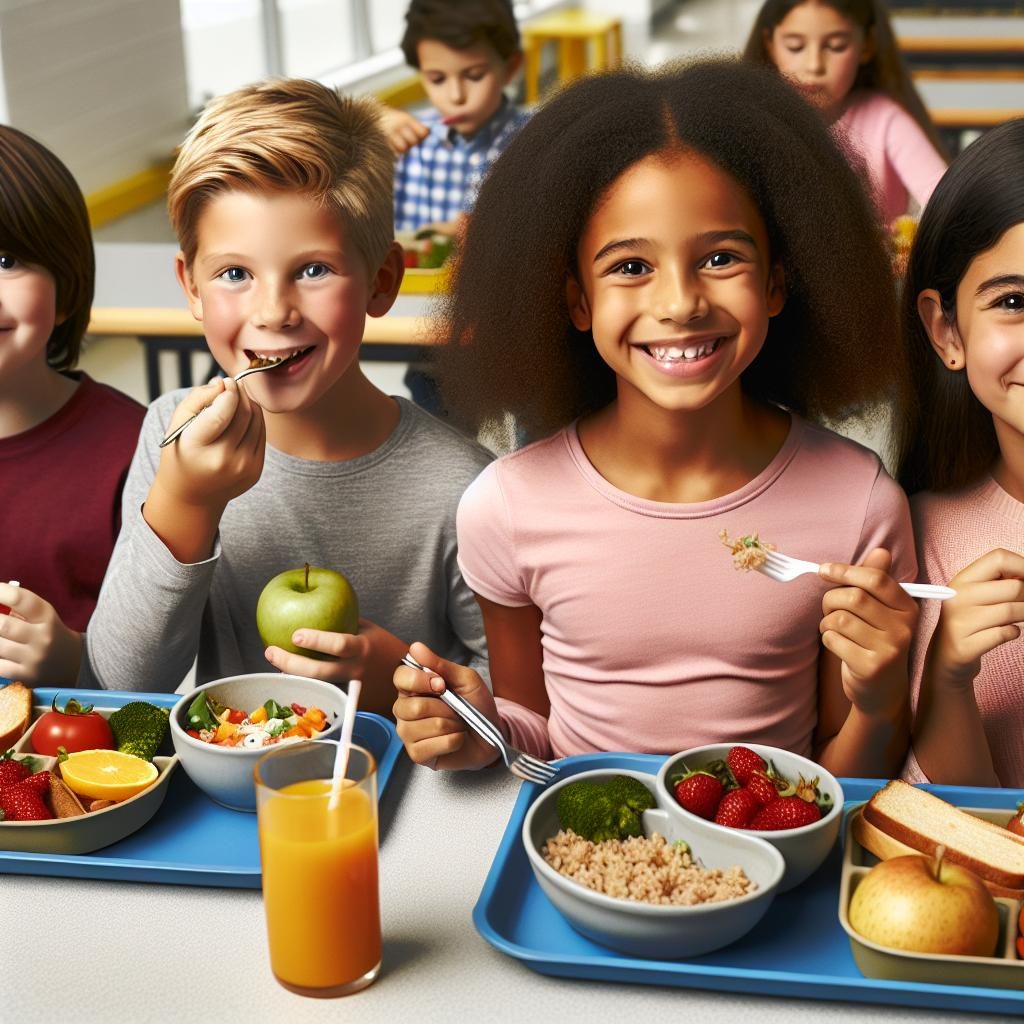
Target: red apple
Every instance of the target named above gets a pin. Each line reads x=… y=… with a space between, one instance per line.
x=926 y=905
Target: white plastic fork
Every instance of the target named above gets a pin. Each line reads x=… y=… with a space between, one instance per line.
x=784 y=568
x=525 y=766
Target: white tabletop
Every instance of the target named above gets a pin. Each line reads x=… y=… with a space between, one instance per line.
x=90 y=952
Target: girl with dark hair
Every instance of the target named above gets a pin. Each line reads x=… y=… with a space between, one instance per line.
x=843 y=57
x=65 y=440
x=648 y=275
x=963 y=449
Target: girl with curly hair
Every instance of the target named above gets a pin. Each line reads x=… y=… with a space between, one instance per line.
x=673 y=275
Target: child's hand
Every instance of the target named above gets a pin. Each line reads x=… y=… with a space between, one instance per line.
x=36 y=647
x=220 y=455
x=986 y=612
x=402 y=129
x=868 y=623
x=368 y=655
x=432 y=733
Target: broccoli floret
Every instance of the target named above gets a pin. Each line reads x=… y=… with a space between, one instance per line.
x=599 y=811
x=139 y=728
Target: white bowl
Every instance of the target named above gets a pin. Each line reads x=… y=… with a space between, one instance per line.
x=646 y=929
x=225 y=773
x=805 y=848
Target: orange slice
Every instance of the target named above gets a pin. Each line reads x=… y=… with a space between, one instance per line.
x=107 y=774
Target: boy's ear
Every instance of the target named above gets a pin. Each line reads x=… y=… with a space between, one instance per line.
x=386 y=282
x=512 y=66
x=942 y=332
x=776 y=290
x=188 y=286
x=576 y=301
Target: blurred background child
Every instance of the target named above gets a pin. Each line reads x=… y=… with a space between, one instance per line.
x=65 y=440
x=692 y=307
x=964 y=325
x=843 y=57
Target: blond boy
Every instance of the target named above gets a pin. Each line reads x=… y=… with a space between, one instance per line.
x=281 y=200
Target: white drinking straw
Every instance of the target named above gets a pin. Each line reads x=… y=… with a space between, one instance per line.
x=344 y=743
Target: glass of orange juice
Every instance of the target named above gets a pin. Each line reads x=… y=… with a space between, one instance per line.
x=319 y=868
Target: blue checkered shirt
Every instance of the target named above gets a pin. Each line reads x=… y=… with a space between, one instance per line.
x=439 y=179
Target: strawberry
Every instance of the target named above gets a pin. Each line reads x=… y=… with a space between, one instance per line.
x=786 y=812
x=763 y=788
x=1015 y=824
x=743 y=762
x=39 y=783
x=23 y=803
x=738 y=806
x=12 y=771
x=699 y=793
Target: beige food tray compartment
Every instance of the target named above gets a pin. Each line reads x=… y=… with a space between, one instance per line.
x=1004 y=970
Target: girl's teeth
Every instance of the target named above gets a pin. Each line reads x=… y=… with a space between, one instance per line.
x=670 y=353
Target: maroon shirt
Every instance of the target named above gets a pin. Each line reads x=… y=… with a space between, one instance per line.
x=60 y=497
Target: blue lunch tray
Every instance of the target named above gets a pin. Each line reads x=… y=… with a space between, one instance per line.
x=799 y=948
x=190 y=840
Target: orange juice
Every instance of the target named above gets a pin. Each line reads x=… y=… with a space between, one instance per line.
x=320 y=884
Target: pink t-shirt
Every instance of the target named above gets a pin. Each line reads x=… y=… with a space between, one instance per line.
x=900 y=159
x=954 y=530
x=652 y=641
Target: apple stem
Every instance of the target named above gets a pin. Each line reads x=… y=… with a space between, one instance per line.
x=307 y=577
x=940 y=852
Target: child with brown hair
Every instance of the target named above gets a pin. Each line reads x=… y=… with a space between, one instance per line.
x=281 y=200
x=843 y=57
x=677 y=312
x=65 y=440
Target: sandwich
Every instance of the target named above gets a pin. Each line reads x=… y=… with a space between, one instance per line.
x=901 y=819
x=15 y=713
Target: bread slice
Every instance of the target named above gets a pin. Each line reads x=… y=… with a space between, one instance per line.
x=923 y=821
x=884 y=847
x=15 y=713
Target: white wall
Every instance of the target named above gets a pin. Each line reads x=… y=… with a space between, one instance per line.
x=101 y=82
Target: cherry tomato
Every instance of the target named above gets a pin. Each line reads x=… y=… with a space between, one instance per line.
x=74 y=728
x=236 y=717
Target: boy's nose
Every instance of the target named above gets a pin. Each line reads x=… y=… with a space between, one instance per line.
x=274 y=310
x=457 y=92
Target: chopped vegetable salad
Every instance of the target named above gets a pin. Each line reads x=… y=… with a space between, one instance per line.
x=213 y=722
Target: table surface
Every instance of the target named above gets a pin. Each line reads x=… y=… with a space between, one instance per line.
x=90 y=951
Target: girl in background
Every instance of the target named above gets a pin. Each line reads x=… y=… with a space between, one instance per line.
x=65 y=440
x=673 y=310
x=842 y=56
x=964 y=453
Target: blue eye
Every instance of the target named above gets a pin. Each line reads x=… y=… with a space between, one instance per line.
x=235 y=275
x=7 y=262
x=719 y=260
x=314 y=271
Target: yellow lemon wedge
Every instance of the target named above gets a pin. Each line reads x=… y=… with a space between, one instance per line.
x=107 y=774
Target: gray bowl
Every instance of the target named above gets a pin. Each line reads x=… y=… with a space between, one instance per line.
x=646 y=929
x=225 y=773
x=804 y=849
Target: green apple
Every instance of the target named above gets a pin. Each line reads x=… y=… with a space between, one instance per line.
x=926 y=905
x=307 y=598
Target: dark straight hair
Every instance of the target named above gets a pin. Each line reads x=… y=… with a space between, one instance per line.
x=946 y=436
x=43 y=220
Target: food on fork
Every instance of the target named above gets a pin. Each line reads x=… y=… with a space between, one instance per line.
x=748 y=552
x=15 y=713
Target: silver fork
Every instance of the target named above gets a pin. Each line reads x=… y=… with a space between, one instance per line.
x=784 y=568
x=525 y=766
x=178 y=431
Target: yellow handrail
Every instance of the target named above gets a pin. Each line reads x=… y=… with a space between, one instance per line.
x=385 y=330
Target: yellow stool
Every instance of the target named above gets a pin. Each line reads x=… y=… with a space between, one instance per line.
x=572 y=30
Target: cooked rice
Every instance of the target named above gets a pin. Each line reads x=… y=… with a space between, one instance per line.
x=748 y=551
x=648 y=870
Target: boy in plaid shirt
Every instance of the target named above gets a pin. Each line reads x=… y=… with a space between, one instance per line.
x=466 y=52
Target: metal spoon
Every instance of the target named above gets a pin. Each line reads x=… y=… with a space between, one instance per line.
x=177 y=432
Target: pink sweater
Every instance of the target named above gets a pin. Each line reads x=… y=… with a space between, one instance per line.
x=652 y=641
x=952 y=531
x=900 y=159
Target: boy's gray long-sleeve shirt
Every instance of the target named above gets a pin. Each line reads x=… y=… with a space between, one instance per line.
x=385 y=519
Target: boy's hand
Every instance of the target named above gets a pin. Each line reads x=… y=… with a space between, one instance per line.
x=868 y=623
x=36 y=647
x=987 y=611
x=402 y=129
x=368 y=655
x=432 y=733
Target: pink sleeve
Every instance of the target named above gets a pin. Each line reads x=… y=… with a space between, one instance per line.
x=887 y=524
x=526 y=730
x=487 y=544
x=912 y=155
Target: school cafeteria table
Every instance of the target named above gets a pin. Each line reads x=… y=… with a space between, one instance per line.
x=93 y=952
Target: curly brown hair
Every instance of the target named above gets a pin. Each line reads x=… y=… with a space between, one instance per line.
x=832 y=353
